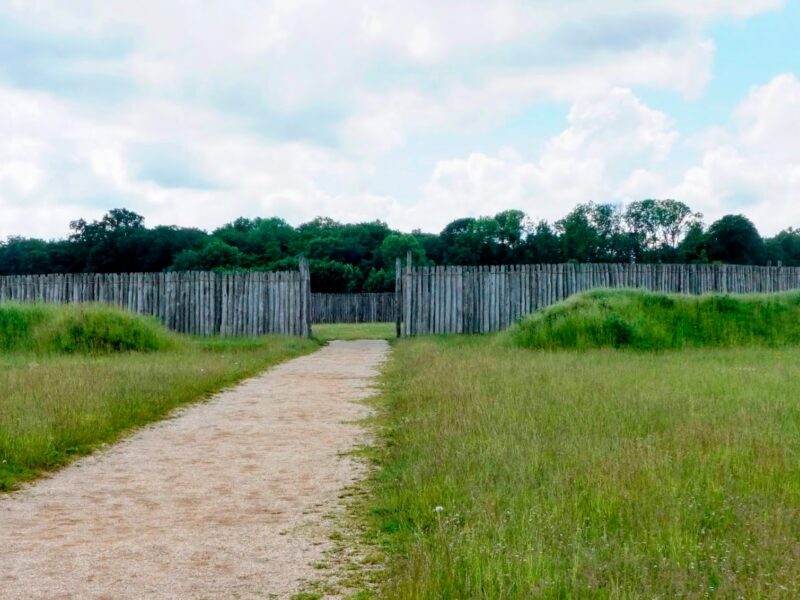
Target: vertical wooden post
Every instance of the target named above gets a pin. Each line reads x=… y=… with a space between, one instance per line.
x=407 y=301
x=305 y=297
x=398 y=295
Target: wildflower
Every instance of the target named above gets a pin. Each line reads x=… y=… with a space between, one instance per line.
x=438 y=509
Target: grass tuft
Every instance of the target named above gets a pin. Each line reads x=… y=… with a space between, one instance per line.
x=649 y=321
x=16 y=324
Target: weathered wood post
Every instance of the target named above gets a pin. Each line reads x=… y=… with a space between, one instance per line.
x=398 y=295
x=407 y=290
x=305 y=297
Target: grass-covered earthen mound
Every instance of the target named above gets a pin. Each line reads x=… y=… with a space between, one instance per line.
x=649 y=321
x=67 y=329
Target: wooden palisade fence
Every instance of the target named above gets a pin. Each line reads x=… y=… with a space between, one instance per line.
x=199 y=303
x=460 y=299
x=353 y=308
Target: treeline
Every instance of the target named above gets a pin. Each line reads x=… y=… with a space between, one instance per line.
x=361 y=256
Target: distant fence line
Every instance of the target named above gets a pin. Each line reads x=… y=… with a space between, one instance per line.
x=198 y=303
x=353 y=308
x=467 y=299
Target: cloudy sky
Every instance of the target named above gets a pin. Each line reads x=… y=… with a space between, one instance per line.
x=413 y=112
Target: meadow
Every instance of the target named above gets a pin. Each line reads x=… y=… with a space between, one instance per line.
x=74 y=378
x=617 y=445
x=508 y=472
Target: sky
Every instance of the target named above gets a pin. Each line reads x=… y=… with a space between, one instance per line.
x=414 y=113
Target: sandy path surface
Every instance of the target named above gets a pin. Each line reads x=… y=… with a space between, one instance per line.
x=223 y=501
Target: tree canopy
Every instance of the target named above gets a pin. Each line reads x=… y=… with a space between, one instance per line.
x=350 y=257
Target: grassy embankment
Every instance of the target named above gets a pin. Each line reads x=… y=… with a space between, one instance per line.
x=73 y=378
x=511 y=473
x=642 y=321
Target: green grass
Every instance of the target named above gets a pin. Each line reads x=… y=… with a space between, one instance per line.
x=78 y=328
x=353 y=331
x=604 y=473
x=648 y=321
x=69 y=391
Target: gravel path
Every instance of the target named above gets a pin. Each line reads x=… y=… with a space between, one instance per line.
x=225 y=500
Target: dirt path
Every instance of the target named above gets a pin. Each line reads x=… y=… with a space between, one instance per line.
x=223 y=501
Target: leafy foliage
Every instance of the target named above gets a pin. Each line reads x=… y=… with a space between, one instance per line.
x=660 y=223
x=734 y=239
x=347 y=257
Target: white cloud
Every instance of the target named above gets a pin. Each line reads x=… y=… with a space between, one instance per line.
x=642 y=183
x=24 y=177
x=295 y=54
x=384 y=121
x=615 y=126
x=740 y=9
x=600 y=156
x=54 y=157
x=754 y=166
x=769 y=119
x=378 y=77
x=617 y=149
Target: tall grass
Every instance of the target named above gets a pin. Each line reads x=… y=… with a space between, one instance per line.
x=72 y=381
x=78 y=328
x=514 y=474
x=17 y=324
x=649 y=321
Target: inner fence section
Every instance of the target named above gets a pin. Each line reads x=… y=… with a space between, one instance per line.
x=353 y=308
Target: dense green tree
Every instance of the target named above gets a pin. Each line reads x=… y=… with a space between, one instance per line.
x=398 y=245
x=261 y=240
x=432 y=245
x=579 y=238
x=329 y=276
x=693 y=249
x=106 y=245
x=117 y=220
x=595 y=233
x=214 y=255
x=542 y=245
x=120 y=242
x=460 y=242
x=784 y=248
x=511 y=228
x=157 y=247
x=485 y=240
x=735 y=240
x=361 y=256
x=355 y=244
x=21 y=256
x=380 y=280
x=660 y=223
